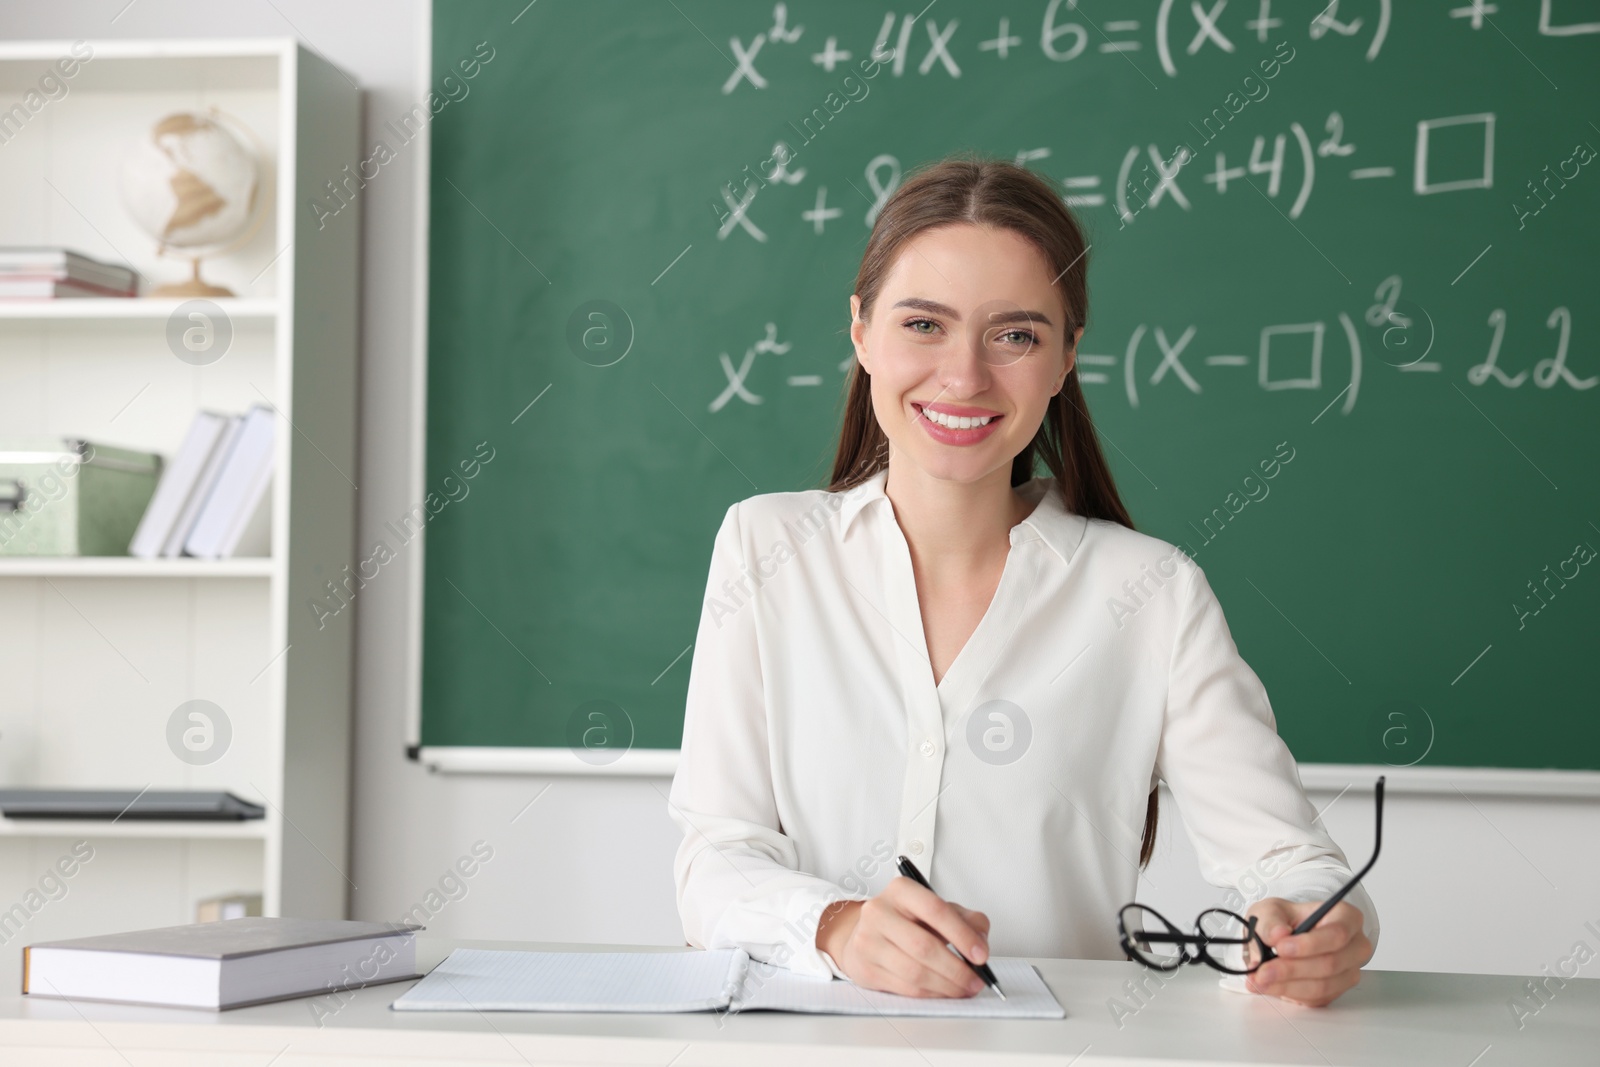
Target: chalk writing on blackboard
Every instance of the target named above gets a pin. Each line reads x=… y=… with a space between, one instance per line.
x=1288 y=356
x=1148 y=177
x=1422 y=182
x=736 y=377
x=1396 y=328
x=1547 y=373
x=820 y=213
x=1065 y=35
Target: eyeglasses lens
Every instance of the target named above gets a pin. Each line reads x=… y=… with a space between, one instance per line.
x=1140 y=923
x=1228 y=940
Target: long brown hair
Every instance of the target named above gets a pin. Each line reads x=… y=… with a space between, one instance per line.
x=968 y=188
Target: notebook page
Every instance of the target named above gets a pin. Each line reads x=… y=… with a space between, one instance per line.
x=473 y=979
x=777 y=989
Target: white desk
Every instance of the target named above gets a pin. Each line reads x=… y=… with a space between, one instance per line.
x=1392 y=1017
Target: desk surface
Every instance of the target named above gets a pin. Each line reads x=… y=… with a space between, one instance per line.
x=1392 y=1017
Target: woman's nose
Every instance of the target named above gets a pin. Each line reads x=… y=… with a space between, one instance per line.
x=965 y=368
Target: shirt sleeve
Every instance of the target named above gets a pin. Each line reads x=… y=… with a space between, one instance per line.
x=737 y=874
x=1236 y=783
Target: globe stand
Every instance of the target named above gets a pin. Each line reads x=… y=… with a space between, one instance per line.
x=195 y=286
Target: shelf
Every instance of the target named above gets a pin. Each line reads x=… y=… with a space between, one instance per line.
x=251 y=64
x=115 y=309
x=244 y=829
x=133 y=567
x=109 y=369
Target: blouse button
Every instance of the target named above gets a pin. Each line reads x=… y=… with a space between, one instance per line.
x=916 y=848
x=928 y=748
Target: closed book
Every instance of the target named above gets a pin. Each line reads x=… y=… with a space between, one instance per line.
x=177 y=484
x=173 y=545
x=239 y=491
x=65 y=263
x=54 y=288
x=226 y=964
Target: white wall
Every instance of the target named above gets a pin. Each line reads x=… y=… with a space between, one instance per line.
x=1482 y=884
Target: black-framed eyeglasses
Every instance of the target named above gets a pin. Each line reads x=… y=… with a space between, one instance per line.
x=1149 y=938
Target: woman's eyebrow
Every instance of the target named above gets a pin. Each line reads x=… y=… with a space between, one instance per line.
x=995 y=317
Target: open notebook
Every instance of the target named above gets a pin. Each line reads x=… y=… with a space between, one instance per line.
x=717 y=980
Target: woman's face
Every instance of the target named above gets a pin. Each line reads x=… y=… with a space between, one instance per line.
x=966 y=346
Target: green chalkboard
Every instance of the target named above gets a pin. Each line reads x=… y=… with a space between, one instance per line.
x=1382 y=257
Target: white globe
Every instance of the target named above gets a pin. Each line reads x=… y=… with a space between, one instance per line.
x=190 y=183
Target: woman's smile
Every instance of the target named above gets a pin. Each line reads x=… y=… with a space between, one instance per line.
x=955 y=424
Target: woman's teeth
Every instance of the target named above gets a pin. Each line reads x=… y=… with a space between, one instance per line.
x=956 y=422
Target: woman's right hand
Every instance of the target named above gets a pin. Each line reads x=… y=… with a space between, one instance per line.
x=896 y=942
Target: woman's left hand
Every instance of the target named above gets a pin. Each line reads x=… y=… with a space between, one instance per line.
x=1315 y=967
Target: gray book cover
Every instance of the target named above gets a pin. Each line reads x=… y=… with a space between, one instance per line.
x=233 y=938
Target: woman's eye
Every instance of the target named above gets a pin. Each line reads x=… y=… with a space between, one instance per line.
x=914 y=325
x=1018 y=337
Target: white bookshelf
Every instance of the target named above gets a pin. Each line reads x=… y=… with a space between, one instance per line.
x=99 y=829
x=97 y=653
x=143 y=308
x=129 y=567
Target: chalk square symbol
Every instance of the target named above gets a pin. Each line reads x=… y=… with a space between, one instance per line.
x=1313 y=377
x=1570 y=29
x=1423 y=183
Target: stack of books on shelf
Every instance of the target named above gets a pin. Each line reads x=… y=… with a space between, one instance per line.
x=212 y=500
x=50 y=273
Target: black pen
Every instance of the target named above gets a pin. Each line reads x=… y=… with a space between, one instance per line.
x=982 y=970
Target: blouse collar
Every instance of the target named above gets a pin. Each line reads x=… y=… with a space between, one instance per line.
x=1049 y=522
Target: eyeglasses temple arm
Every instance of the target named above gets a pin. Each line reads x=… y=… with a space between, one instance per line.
x=1377 y=844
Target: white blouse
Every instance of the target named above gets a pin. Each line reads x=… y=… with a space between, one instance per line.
x=816 y=745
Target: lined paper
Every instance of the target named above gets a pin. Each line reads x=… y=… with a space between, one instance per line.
x=497 y=980
x=473 y=979
x=778 y=989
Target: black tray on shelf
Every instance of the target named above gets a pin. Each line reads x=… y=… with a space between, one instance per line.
x=109 y=804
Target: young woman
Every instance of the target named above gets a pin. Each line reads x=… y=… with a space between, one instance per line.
x=944 y=656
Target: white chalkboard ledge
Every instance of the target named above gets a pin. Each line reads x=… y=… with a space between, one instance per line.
x=1452 y=781
x=1316 y=777
x=633 y=762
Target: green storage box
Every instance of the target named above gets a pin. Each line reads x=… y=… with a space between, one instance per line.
x=72 y=498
